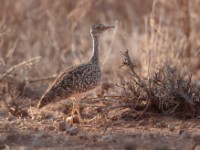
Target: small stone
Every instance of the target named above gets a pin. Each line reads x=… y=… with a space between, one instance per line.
x=107 y=138
x=184 y=134
x=73 y=130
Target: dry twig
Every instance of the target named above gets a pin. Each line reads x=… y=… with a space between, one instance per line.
x=24 y=63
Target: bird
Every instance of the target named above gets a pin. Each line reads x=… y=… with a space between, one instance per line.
x=78 y=79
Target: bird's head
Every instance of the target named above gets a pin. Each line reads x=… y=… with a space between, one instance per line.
x=98 y=29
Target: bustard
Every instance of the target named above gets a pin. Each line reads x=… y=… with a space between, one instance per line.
x=77 y=79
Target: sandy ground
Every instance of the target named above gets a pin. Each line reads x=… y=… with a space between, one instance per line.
x=152 y=132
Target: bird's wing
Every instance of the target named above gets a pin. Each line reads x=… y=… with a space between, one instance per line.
x=59 y=78
x=50 y=94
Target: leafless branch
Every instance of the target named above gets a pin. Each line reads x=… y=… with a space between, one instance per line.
x=24 y=63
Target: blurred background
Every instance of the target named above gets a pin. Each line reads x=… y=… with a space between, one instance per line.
x=155 y=32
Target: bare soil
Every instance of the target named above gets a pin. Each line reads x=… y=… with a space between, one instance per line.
x=153 y=131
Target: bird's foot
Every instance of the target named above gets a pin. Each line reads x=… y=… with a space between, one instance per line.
x=75 y=119
x=75 y=109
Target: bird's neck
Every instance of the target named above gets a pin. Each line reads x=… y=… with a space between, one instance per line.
x=95 y=55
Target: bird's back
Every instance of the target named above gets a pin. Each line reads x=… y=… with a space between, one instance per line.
x=76 y=79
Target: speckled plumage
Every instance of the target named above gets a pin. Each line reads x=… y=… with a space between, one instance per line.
x=74 y=80
x=77 y=79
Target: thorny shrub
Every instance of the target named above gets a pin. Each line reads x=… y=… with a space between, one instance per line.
x=168 y=91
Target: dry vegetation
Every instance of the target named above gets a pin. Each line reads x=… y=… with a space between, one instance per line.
x=135 y=105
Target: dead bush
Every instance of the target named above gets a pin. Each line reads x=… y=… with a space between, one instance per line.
x=168 y=91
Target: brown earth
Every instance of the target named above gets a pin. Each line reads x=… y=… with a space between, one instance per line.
x=118 y=131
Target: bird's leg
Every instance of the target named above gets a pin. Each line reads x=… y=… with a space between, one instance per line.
x=75 y=109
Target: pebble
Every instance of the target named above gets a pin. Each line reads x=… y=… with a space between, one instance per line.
x=73 y=131
x=107 y=138
x=184 y=134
